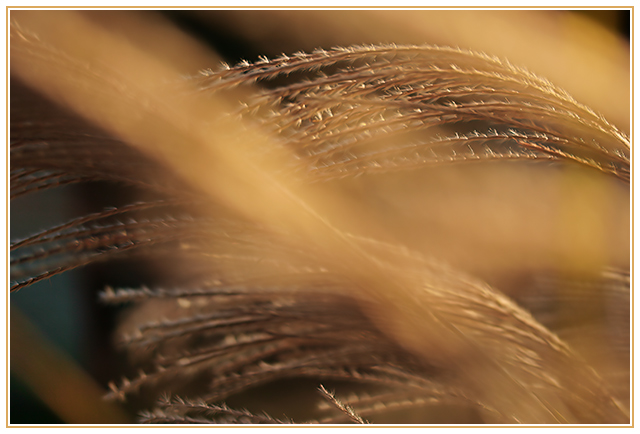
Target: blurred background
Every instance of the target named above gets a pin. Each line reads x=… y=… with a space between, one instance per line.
x=59 y=325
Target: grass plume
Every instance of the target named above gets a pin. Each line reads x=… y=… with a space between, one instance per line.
x=280 y=270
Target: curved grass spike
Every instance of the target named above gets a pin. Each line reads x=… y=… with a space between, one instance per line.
x=422 y=87
x=178 y=410
x=405 y=317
